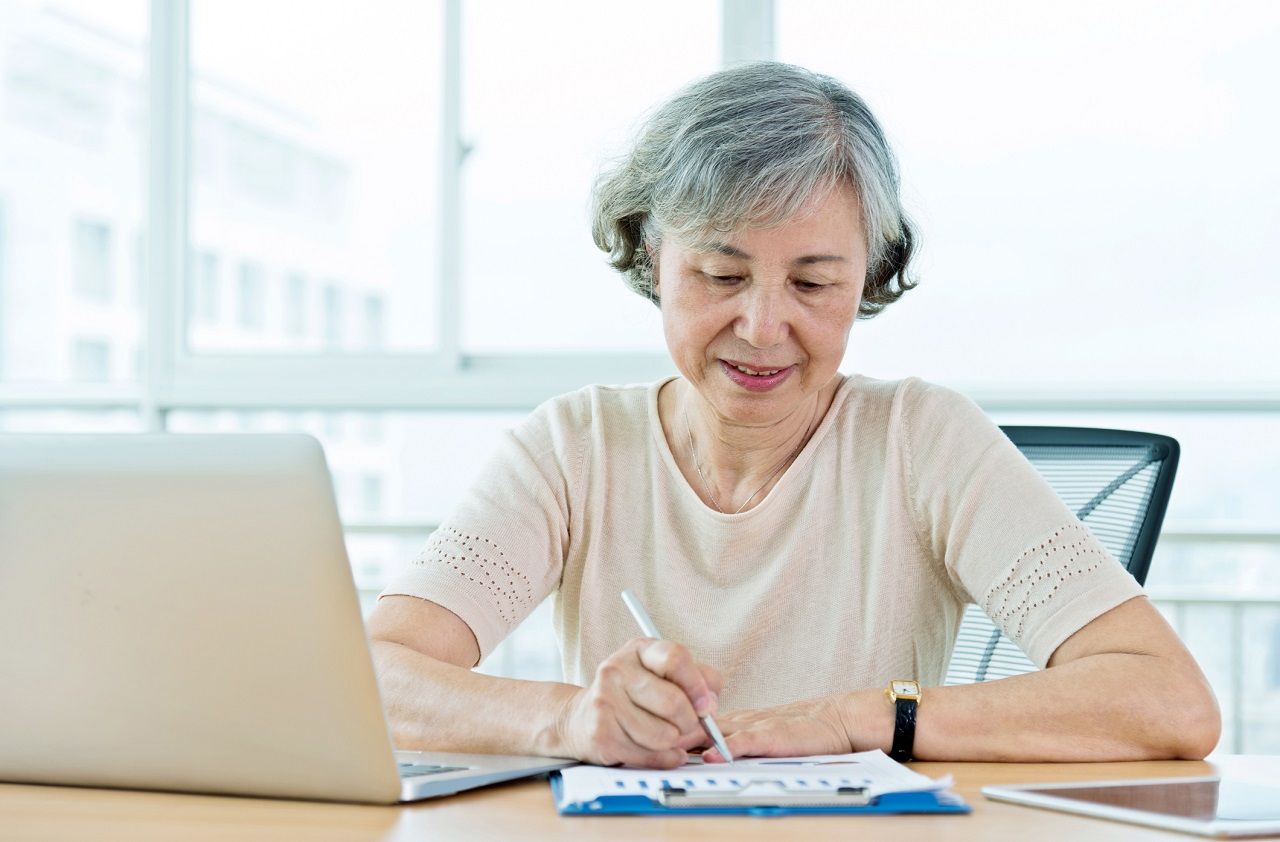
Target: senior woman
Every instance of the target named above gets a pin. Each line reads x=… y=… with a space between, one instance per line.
x=806 y=536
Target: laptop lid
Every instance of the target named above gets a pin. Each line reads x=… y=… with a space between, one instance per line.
x=177 y=612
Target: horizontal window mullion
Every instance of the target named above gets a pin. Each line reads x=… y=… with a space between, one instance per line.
x=70 y=397
x=427 y=382
x=354 y=527
x=397 y=381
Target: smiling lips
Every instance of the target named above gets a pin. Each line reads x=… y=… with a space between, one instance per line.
x=756 y=372
x=755 y=378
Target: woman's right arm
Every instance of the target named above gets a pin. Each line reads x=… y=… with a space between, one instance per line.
x=639 y=710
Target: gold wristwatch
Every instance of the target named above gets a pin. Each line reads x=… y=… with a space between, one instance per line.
x=905 y=695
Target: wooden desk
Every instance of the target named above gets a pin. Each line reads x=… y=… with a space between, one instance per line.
x=523 y=810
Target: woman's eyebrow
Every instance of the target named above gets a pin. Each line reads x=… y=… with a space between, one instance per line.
x=808 y=259
x=726 y=249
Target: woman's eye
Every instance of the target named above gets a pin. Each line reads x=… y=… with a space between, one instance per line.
x=808 y=286
x=725 y=279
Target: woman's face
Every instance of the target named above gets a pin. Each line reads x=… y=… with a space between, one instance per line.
x=777 y=300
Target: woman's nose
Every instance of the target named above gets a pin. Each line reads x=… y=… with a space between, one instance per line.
x=764 y=320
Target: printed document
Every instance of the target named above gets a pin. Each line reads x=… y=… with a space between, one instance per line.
x=870 y=771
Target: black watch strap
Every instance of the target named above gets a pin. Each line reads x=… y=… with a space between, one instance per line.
x=904 y=730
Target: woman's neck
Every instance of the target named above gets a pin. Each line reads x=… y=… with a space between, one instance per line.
x=733 y=465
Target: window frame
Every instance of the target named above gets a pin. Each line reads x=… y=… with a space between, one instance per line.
x=174 y=377
x=177 y=378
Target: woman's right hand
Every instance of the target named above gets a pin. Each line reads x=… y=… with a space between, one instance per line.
x=642 y=707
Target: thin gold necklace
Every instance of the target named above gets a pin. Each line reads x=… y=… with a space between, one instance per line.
x=706 y=486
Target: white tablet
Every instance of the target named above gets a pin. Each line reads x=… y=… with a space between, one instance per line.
x=1222 y=807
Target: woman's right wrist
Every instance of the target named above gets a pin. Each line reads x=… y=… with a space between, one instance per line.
x=553 y=736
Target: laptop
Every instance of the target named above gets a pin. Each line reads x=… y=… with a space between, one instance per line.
x=177 y=612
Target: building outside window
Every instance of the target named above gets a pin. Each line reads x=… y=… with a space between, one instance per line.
x=332 y=296
x=295 y=307
x=373 y=427
x=139 y=268
x=252 y=312
x=375 y=322
x=92 y=247
x=207 y=287
x=3 y=264
x=371 y=494
x=91 y=361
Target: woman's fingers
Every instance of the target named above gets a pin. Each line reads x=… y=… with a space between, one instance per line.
x=712 y=676
x=695 y=739
x=673 y=662
x=612 y=735
x=798 y=729
x=748 y=743
x=664 y=700
x=640 y=729
x=646 y=730
x=662 y=690
x=642 y=708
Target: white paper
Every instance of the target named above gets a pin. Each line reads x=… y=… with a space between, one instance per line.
x=820 y=773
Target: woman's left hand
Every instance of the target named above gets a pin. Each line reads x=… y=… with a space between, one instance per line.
x=812 y=726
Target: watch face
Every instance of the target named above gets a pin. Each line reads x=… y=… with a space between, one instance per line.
x=905 y=688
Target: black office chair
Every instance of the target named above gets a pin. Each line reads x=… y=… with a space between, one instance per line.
x=1117 y=482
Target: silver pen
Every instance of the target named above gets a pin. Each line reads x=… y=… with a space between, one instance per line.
x=650 y=630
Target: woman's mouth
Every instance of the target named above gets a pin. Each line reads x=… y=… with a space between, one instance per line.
x=755 y=379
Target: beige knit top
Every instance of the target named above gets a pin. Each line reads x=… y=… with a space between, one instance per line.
x=906 y=504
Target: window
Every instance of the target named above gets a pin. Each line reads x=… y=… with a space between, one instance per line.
x=1273 y=656
x=295 y=307
x=91 y=361
x=332 y=296
x=375 y=328
x=1082 y=190
x=371 y=494
x=3 y=271
x=139 y=269
x=375 y=559
x=252 y=312
x=68 y=421
x=417 y=469
x=205 y=278
x=92 y=249
x=373 y=430
x=298 y=151
x=73 y=130
x=527 y=239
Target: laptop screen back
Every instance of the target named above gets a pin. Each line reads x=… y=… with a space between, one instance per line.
x=177 y=612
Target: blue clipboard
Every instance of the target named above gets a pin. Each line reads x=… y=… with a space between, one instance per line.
x=680 y=802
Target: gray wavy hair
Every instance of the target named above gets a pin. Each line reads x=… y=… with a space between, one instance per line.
x=744 y=148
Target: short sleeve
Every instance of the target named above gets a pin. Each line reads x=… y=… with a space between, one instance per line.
x=1006 y=538
x=502 y=550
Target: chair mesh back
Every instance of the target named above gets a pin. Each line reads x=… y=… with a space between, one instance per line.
x=1117 y=483
x=1108 y=488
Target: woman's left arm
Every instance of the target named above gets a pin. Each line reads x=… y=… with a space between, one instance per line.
x=1123 y=687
